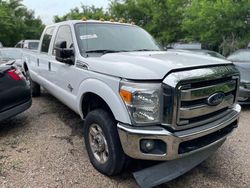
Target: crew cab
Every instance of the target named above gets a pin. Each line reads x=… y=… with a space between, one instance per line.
x=137 y=101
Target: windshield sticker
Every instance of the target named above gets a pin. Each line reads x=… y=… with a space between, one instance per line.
x=84 y=37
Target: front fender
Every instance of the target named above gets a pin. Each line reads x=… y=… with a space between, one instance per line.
x=108 y=93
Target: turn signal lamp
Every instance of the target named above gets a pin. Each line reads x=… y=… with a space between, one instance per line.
x=126 y=96
x=122 y=20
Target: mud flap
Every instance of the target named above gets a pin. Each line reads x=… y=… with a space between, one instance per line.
x=167 y=171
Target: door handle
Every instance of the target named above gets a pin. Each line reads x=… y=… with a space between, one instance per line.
x=49 y=66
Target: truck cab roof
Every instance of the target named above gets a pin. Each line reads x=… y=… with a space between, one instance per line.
x=72 y=22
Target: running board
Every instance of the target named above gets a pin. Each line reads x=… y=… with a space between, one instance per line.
x=167 y=171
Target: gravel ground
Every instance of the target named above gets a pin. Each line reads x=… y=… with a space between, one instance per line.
x=43 y=147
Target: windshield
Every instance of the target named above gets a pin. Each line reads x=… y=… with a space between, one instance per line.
x=33 y=45
x=241 y=56
x=8 y=54
x=97 y=37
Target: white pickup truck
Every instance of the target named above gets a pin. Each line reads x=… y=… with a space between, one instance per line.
x=137 y=101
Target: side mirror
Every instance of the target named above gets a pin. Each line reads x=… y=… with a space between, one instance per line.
x=64 y=54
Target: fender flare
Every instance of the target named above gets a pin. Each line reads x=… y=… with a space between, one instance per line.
x=112 y=99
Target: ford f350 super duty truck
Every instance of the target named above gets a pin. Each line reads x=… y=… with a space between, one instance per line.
x=137 y=100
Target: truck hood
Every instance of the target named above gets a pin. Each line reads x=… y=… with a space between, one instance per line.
x=148 y=65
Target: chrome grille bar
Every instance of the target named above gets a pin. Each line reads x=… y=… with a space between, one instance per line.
x=203 y=109
x=204 y=92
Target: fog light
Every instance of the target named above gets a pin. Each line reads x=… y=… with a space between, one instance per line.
x=147 y=145
x=153 y=146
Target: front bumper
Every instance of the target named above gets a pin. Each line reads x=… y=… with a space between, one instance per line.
x=179 y=143
x=15 y=110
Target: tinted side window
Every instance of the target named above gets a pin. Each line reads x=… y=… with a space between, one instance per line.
x=64 y=34
x=33 y=45
x=18 y=45
x=46 y=39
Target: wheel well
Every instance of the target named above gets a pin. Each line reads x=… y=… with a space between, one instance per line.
x=91 y=102
x=25 y=67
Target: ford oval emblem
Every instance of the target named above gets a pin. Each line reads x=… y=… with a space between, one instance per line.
x=216 y=99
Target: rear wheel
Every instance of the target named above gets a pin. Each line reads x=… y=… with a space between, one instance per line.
x=103 y=143
x=34 y=87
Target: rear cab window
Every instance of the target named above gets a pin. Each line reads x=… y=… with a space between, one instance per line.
x=48 y=34
x=33 y=45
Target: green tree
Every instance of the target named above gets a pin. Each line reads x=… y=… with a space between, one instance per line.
x=17 y=23
x=90 y=12
x=162 y=18
x=221 y=24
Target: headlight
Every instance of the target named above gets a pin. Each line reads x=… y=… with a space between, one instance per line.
x=143 y=101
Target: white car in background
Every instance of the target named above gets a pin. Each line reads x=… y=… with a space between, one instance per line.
x=28 y=44
x=8 y=54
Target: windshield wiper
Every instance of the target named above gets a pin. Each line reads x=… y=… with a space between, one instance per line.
x=104 y=51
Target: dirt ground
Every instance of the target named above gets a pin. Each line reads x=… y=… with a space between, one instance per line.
x=43 y=147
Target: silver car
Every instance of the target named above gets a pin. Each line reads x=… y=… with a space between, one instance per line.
x=241 y=58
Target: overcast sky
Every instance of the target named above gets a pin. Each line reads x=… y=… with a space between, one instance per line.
x=46 y=9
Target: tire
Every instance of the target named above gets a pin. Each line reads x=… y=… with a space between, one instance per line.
x=34 y=87
x=115 y=159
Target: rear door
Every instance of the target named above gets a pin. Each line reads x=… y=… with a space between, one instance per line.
x=43 y=62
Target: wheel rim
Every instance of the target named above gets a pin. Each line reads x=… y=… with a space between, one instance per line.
x=98 y=143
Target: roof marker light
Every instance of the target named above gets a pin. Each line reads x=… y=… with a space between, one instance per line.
x=84 y=18
x=122 y=20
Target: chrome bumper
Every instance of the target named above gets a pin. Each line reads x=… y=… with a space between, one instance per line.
x=130 y=137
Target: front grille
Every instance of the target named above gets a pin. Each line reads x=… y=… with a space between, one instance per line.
x=194 y=109
x=198 y=143
x=187 y=94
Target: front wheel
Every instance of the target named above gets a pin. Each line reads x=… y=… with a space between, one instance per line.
x=103 y=143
